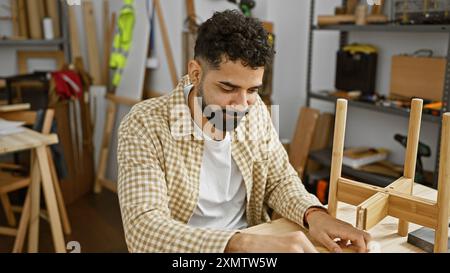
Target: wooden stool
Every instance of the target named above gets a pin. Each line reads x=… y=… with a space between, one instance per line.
x=396 y=200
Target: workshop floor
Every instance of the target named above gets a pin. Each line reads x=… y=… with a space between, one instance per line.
x=96 y=225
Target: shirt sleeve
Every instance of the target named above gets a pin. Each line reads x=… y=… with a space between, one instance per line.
x=285 y=191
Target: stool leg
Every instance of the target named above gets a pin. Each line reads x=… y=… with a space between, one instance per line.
x=411 y=153
x=443 y=199
x=338 y=150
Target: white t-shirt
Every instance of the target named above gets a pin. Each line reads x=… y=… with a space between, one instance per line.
x=222 y=197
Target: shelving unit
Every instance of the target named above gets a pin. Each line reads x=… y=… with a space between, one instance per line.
x=344 y=30
x=62 y=43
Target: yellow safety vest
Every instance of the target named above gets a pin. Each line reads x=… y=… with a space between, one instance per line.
x=122 y=40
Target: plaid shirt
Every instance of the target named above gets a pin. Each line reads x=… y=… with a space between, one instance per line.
x=159 y=158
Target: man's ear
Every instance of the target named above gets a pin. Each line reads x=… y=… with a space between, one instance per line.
x=195 y=72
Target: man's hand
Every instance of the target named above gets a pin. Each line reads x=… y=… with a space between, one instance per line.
x=296 y=242
x=325 y=229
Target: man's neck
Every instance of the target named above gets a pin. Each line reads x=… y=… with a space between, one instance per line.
x=198 y=117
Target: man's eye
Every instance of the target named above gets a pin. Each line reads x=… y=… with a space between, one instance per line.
x=252 y=91
x=228 y=89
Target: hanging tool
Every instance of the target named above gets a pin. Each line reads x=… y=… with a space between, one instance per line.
x=122 y=40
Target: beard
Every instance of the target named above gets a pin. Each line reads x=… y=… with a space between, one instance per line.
x=217 y=116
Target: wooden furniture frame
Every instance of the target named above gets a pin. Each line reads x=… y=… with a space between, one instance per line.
x=396 y=200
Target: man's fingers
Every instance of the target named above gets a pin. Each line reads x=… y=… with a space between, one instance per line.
x=358 y=240
x=331 y=245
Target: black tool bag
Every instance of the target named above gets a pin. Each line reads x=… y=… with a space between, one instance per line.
x=356 y=72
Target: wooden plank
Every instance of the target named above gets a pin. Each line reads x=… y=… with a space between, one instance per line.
x=166 y=42
x=323 y=135
x=23 y=224
x=75 y=50
x=190 y=11
x=104 y=151
x=8 y=231
x=34 y=19
x=338 y=151
x=354 y=193
x=372 y=211
x=35 y=198
x=24 y=56
x=108 y=32
x=301 y=142
x=50 y=200
x=14 y=107
x=52 y=12
x=91 y=40
x=351 y=6
x=15 y=18
x=11 y=219
x=27 y=139
x=22 y=17
x=413 y=209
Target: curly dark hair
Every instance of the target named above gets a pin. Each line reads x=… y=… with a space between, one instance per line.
x=234 y=36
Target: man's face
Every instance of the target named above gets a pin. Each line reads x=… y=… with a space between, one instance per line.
x=227 y=93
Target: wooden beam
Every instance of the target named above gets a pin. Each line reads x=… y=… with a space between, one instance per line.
x=75 y=50
x=190 y=11
x=91 y=40
x=354 y=193
x=166 y=42
x=15 y=17
x=34 y=19
x=52 y=12
x=108 y=29
x=413 y=209
x=401 y=185
x=22 y=17
x=338 y=151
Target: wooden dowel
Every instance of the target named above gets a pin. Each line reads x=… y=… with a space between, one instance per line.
x=338 y=150
x=411 y=153
x=443 y=199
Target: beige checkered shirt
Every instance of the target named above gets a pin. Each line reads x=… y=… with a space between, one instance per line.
x=160 y=157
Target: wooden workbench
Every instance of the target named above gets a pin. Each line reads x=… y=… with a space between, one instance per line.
x=385 y=233
x=40 y=173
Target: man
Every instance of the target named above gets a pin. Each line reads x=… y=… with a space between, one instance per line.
x=203 y=162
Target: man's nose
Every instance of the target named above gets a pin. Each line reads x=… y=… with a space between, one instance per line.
x=241 y=101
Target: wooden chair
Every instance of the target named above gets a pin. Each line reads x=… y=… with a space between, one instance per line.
x=10 y=183
x=396 y=200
